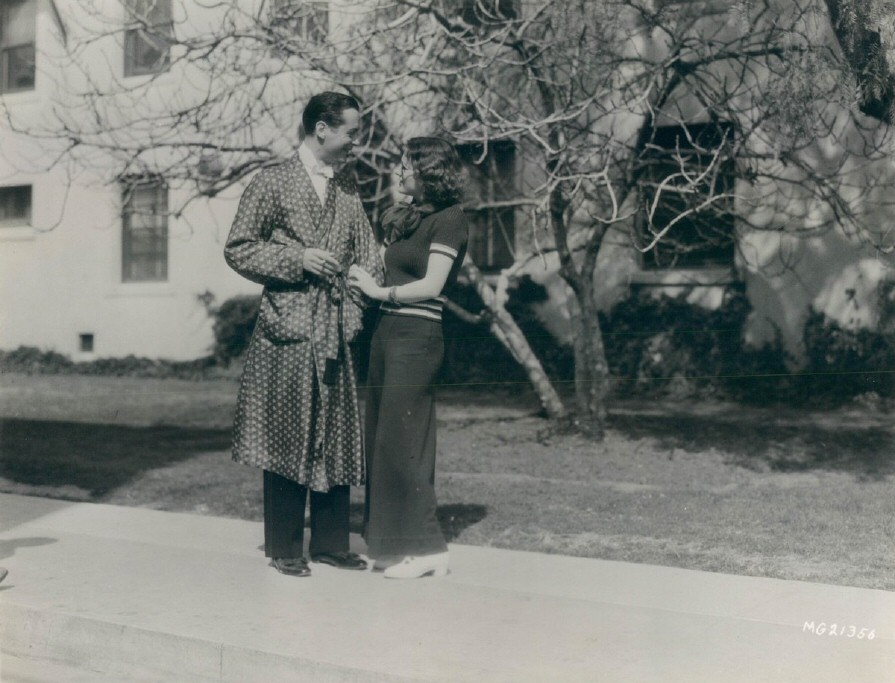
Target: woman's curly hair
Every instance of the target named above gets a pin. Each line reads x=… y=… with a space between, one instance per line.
x=437 y=168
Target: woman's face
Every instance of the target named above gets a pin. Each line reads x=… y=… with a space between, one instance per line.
x=407 y=179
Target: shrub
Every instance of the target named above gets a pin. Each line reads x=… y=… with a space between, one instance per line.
x=844 y=363
x=234 y=322
x=33 y=361
x=474 y=355
x=665 y=345
x=558 y=359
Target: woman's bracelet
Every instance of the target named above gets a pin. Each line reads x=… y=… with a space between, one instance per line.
x=393 y=295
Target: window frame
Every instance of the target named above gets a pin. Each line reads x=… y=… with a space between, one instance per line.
x=6 y=49
x=161 y=30
x=160 y=210
x=712 y=258
x=499 y=222
x=19 y=221
x=508 y=10
x=282 y=14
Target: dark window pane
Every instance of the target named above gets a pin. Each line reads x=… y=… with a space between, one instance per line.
x=308 y=21
x=146 y=52
x=149 y=12
x=146 y=46
x=701 y=238
x=145 y=238
x=18 y=19
x=15 y=204
x=17 y=36
x=20 y=67
x=483 y=12
x=491 y=179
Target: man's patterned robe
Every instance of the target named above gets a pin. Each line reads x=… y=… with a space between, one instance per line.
x=288 y=420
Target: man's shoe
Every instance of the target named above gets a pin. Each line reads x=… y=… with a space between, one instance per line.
x=291 y=566
x=342 y=560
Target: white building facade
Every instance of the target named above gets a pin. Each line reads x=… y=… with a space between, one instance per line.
x=91 y=267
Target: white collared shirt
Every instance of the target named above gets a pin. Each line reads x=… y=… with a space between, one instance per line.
x=318 y=171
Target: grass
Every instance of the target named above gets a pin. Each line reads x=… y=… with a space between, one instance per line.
x=766 y=492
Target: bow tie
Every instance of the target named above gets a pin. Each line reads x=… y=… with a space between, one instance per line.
x=325 y=171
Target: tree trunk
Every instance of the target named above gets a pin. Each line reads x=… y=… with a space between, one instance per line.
x=508 y=333
x=591 y=367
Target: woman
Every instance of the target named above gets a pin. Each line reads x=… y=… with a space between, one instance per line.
x=425 y=246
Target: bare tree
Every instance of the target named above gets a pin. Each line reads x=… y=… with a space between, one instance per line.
x=865 y=31
x=636 y=118
x=589 y=91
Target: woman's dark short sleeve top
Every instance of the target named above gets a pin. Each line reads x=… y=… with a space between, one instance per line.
x=444 y=231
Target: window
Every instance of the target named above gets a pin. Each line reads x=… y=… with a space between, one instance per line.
x=85 y=342
x=145 y=232
x=306 y=21
x=492 y=233
x=484 y=12
x=18 y=19
x=146 y=45
x=702 y=239
x=15 y=205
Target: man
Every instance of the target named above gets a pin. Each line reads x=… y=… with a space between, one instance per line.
x=298 y=229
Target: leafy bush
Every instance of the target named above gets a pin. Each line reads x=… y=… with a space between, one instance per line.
x=474 y=356
x=558 y=359
x=234 y=322
x=665 y=345
x=844 y=363
x=654 y=345
x=33 y=361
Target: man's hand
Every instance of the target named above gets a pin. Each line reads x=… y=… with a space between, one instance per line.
x=320 y=262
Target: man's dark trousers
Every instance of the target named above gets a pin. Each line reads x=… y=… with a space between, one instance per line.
x=284 y=518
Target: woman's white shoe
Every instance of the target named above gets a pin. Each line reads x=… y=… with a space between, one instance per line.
x=415 y=567
x=385 y=562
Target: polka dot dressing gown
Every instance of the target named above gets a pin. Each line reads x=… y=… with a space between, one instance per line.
x=289 y=421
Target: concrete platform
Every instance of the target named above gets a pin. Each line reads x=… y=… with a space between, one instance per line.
x=103 y=593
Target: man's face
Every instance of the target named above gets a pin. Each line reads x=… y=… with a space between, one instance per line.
x=338 y=141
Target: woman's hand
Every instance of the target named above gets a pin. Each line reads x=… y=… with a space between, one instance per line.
x=360 y=280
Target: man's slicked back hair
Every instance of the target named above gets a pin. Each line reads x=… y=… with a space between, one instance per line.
x=327 y=107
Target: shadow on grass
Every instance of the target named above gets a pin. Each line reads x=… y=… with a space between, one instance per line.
x=759 y=445
x=453 y=518
x=95 y=457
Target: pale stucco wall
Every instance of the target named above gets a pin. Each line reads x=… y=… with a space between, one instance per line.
x=60 y=275
x=62 y=279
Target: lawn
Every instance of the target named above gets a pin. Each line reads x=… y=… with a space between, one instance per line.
x=785 y=493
